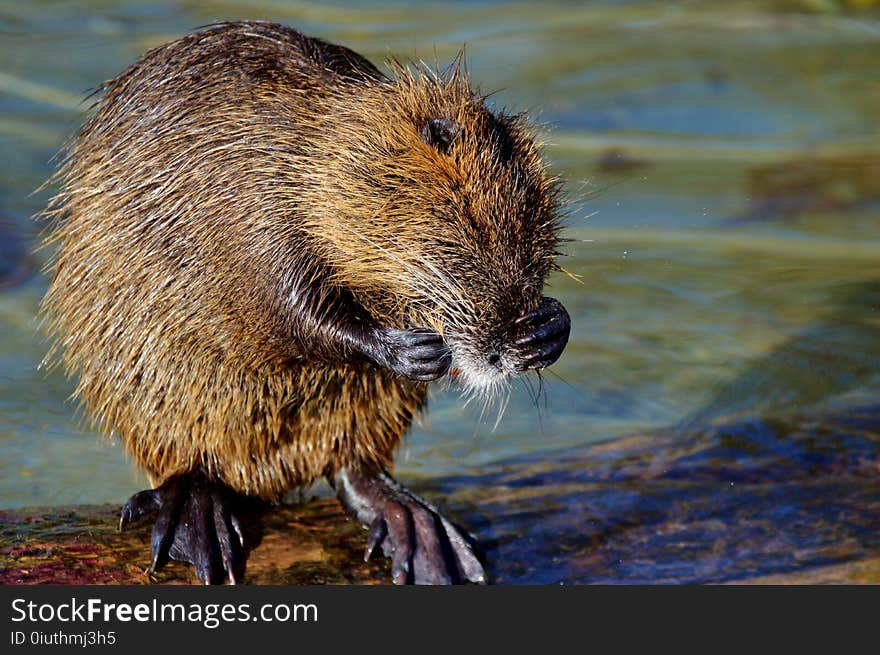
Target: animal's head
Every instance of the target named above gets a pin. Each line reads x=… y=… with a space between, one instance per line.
x=444 y=215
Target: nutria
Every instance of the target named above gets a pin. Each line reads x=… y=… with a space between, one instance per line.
x=266 y=248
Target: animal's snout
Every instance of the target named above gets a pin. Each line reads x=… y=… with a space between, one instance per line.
x=532 y=341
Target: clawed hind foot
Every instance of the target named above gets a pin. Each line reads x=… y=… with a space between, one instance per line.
x=195 y=523
x=424 y=547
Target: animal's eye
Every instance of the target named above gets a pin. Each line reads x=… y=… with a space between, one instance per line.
x=440 y=133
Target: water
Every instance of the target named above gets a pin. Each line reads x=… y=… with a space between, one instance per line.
x=723 y=167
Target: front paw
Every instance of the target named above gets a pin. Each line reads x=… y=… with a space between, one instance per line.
x=541 y=335
x=417 y=354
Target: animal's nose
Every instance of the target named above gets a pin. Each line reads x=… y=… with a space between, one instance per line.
x=494 y=358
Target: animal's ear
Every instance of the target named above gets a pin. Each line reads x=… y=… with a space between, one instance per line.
x=440 y=133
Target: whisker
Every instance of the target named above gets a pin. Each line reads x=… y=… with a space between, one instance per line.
x=541 y=392
x=568 y=384
x=502 y=408
x=530 y=389
x=538 y=394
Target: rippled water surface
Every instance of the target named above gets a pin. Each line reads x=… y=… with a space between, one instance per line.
x=723 y=170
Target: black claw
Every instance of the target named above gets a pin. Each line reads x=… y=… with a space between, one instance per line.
x=421 y=337
x=230 y=548
x=160 y=546
x=464 y=548
x=553 y=328
x=142 y=503
x=237 y=527
x=377 y=533
x=202 y=566
x=224 y=542
x=424 y=377
x=545 y=355
x=542 y=312
x=399 y=569
x=162 y=539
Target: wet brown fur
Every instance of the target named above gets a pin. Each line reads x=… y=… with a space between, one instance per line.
x=243 y=173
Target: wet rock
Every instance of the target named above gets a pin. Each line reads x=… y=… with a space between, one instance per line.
x=310 y=543
x=794 y=499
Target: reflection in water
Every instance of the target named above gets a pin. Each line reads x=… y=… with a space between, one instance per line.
x=742 y=500
x=829 y=183
x=837 y=353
